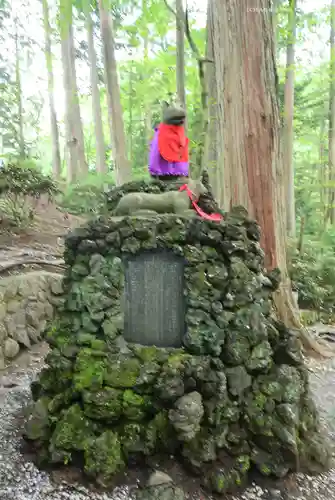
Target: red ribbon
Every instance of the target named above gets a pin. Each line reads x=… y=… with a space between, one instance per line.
x=213 y=217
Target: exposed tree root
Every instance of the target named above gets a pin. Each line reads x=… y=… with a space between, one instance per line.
x=287 y=312
x=10 y=265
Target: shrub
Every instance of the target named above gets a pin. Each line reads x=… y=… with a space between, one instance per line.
x=87 y=196
x=313 y=276
x=21 y=184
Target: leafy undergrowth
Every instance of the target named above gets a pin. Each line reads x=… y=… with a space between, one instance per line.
x=21 y=186
x=313 y=276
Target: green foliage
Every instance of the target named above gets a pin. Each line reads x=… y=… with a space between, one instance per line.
x=313 y=276
x=20 y=184
x=87 y=197
x=25 y=179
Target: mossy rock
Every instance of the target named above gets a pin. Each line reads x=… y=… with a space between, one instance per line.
x=103 y=457
x=105 y=404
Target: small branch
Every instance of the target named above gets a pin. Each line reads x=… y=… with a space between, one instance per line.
x=170 y=8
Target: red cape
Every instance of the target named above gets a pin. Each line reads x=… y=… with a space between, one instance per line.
x=172 y=143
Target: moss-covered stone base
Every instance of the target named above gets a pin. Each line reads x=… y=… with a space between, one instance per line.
x=235 y=396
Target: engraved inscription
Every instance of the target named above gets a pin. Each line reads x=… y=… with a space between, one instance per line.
x=154 y=304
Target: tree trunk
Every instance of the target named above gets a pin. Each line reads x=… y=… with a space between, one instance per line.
x=83 y=167
x=253 y=169
x=147 y=101
x=74 y=132
x=71 y=141
x=130 y=122
x=322 y=178
x=96 y=105
x=212 y=168
x=288 y=132
x=56 y=159
x=118 y=139
x=18 y=85
x=331 y=136
x=180 y=49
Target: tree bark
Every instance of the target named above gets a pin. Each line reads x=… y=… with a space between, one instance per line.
x=331 y=135
x=18 y=85
x=83 y=167
x=180 y=53
x=288 y=135
x=74 y=133
x=118 y=139
x=56 y=159
x=212 y=168
x=253 y=174
x=96 y=105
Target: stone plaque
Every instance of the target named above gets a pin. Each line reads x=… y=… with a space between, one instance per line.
x=154 y=304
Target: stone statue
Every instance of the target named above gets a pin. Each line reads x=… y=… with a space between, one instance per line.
x=168 y=157
x=175 y=202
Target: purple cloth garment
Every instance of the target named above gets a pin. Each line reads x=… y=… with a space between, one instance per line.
x=159 y=166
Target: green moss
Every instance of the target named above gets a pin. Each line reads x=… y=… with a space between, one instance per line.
x=133 y=439
x=105 y=404
x=38 y=425
x=58 y=376
x=150 y=354
x=89 y=371
x=135 y=407
x=243 y=464
x=177 y=360
x=159 y=433
x=264 y=469
x=61 y=400
x=122 y=373
x=73 y=430
x=260 y=400
x=103 y=457
x=85 y=339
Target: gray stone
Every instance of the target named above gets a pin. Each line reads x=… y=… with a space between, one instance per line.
x=260 y=357
x=2 y=359
x=154 y=302
x=2 y=312
x=21 y=336
x=187 y=415
x=11 y=348
x=15 y=321
x=34 y=314
x=3 y=333
x=238 y=380
x=49 y=310
x=11 y=289
x=56 y=285
x=33 y=334
x=162 y=492
x=13 y=306
x=158 y=478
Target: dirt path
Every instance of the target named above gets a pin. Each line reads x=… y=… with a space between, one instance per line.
x=39 y=246
x=21 y=480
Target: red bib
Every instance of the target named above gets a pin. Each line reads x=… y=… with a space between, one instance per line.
x=172 y=143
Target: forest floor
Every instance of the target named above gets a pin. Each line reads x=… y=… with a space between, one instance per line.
x=20 y=479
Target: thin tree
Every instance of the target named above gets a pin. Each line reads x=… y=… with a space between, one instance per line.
x=213 y=129
x=180 y=53
x=330 y=214
x=253 y=174
x=96 y=105
x=18 y=92
x=56 y=159
x=116 y=123
x=288 y=131
x=74 y=132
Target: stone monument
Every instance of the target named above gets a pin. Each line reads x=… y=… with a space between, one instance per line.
x=154 y=306
x=214 y=380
